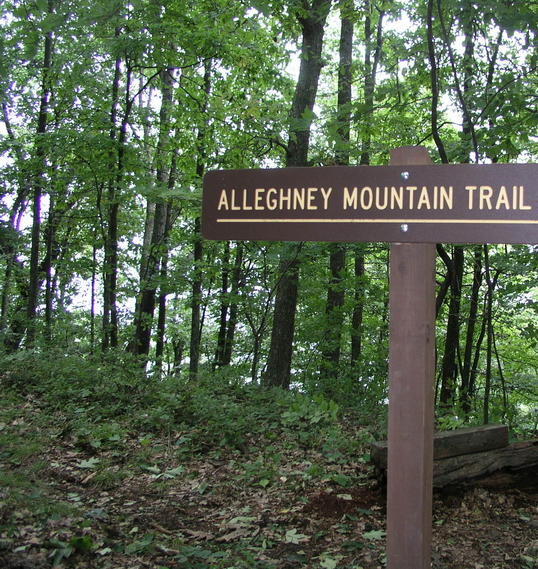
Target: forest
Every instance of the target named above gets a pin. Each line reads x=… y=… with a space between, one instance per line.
x=137 y=355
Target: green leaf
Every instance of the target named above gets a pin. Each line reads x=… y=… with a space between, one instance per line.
x=292 y=536
x=374 y=534
x=82 y=543
x=328 y=562
x=90 y=463
x=149 y=468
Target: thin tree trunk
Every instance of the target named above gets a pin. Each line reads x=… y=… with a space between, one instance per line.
x=334 y=314
x=38 y=186
x=161 y=316
x=358 y=307
x=491 y=283
x=198 y=246
x=229 y=307
x=372 y=56
x=109 y=338
x=471 y=324
x=50 y=236
x=332 y=338
x=234 y=307
x=221 y=337
x=157 y=223
x=196 y=301
x=280 y=351
x=449 y=367
x=434 y=84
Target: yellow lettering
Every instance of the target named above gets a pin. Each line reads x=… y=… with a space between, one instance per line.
x=223 y=201
x=396 y=197
x=272 y=202
x=485 y=197
x=470 y=189
x=424 y=198
x=411 y=190
x=326 y=193
x=447 y=197
x=350 y=198
x=522 y=204
x=234 y=206
x=378 y=203
x=502 y=199
x=298 y=198
x=258 y=198
x=310 y=199
x=366 y=192
x=246 y=206
x=285 y=198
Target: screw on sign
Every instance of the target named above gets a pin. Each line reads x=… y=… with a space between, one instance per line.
x=412 y=204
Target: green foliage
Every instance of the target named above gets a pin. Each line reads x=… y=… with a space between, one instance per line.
x=110 y=141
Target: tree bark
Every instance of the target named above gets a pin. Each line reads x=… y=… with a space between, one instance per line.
x=358 y=307
x=434 y=83
x=110 y=268
x=231 y=283
x=151 y=267
x=465 y=394
x=39 y=186
x=198 y=246
x=449 y=366
x=224 y=304
x=332 y=337
x=491 y=281
x=372 y=55
x=312 y=24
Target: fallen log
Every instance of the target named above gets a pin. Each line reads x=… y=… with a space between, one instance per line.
x=453 y=443
x=457 y=469
x=467 y=466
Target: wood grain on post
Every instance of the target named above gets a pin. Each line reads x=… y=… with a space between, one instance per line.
x=411 y=392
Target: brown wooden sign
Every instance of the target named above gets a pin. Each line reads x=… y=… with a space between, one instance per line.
x=456 y=203
x=413 y=204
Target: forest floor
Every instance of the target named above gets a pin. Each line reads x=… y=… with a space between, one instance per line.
x=294 y=490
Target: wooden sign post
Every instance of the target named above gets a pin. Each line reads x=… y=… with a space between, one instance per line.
x=411 y=395
x=412 y=204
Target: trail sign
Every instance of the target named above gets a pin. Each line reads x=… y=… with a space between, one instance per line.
x=456 y=203
x=413 y=204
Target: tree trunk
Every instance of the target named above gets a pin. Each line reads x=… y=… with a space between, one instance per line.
x=434 y=84
x=280 y=351
x=229 y=306
x=334 y=314
x=50 y=237
x=358 y=307
x=110 y=268
x=449 y=366
x=372 y=55
x=196 y=301
x=38 y=186
x=491 y=281
x=163 y=294
x=332 y=337
x=157 y=223
x=224 y=303
x=234 y=307
x=465 y=396
x=198 y=247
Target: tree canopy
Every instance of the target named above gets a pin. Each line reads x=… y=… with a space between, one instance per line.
x=112 y=112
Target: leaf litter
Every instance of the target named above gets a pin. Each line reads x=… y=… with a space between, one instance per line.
x=130 y=506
